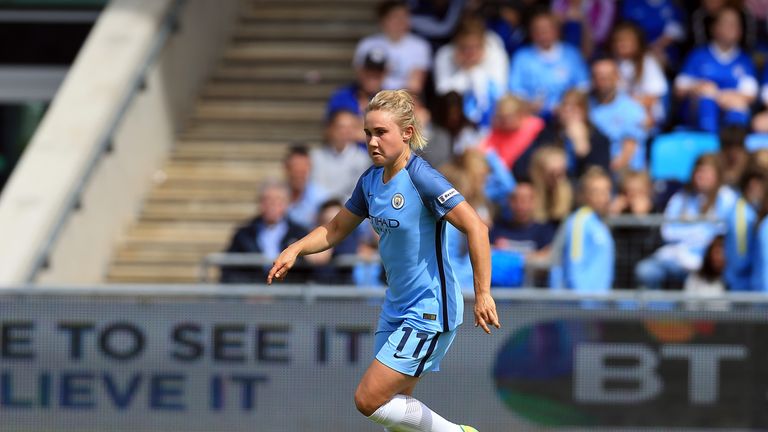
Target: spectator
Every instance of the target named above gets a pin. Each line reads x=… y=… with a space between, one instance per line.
x=339 y=163
x=708 y=281
x=641 y=75
x=554 y=195
x=513 y=131
x=542 y=72
x=305 y=196
x=740 y=227
x=408 y=56
x=267 y=234
x=702 y=18
x=733 y=154
x=618 y=116
x=589 y=252
x=369 y=80
x=451 y=132
x=760 y=121
x=506 y=20
x=325 y=271
x=718 y=78
x=471 y=170
x=572 y=131
x=635 y=195
x=586 y=23
x=759 y=274
x=662 y=24
x=436 y=20
x=521 y=232
x=696 y=212
x=474 y=65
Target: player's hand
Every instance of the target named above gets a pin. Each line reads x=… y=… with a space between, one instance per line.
x=282 y=265
x=485 y=312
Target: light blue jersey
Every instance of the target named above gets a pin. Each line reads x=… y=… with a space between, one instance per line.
x=407 y=212
x=588 y=253
x=621 y=119
x=759 y=277
x=740 y=226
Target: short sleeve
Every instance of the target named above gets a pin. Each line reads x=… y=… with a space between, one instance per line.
x=357 y=203
x=437 y=194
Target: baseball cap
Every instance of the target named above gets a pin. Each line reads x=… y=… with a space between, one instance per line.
x=375 y=59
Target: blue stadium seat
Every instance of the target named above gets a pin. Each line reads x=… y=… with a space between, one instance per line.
x=756 y=141
x=673 y=154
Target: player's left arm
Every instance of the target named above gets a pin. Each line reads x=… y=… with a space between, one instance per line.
x=466 y=220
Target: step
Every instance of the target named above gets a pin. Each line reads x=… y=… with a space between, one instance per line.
x=322 y=52
x=314 y=31
x=260 y=111
x=251 y=131
x=233 y=212
x=210 y=194
x=223 y=150
x=298 y=12
x=341 y=74
x=150 y=256
x=275 y=91
x=153 y=273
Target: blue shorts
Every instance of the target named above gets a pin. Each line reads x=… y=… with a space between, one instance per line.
x=411 y=351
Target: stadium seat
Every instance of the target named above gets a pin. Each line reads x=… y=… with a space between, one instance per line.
x=673 y=154
x=756 y=141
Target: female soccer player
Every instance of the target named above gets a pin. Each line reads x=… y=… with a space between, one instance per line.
x=407 y=202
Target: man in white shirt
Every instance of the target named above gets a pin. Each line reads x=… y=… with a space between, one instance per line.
x=408 y=56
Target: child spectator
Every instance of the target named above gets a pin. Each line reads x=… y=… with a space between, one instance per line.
x=662 y=24
x=572 y=131
x=554 y=195
x=542 y=72
x=618 y=116
x=708 y=280
x=641 y=75
x=702 y=18
x=589 y=253
x=409 y=56
x=513 y=130
x=740 y=229
x=635 y=195
x=718 y=80
x=699 y=210
x=474 y=65
x=338 y=164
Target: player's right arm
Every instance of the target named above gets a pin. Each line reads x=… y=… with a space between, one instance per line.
x=321 y=238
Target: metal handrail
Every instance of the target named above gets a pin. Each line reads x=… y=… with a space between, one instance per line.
x=167 y=28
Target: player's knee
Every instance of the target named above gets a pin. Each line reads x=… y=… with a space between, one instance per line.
x=364 y=403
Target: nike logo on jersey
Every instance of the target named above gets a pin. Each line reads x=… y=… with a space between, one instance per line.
x=398 y=356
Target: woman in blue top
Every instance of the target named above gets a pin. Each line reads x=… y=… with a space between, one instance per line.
x=408 y=203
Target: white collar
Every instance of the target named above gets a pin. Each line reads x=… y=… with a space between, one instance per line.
x=724 y=56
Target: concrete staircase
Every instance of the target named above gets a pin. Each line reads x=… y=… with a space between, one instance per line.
x=269 y=90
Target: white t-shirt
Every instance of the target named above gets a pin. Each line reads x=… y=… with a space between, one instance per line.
x=652 y=83
x=403 y=57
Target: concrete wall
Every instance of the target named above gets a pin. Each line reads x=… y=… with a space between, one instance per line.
x=35 y=198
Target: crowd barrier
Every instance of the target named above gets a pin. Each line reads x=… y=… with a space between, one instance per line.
x=288 y=358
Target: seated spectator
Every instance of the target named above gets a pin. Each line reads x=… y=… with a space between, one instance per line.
x=662 y=24
x=305 y=196
x=699 y=209
x=542 y=72
x=369 y=80
x=471 y=170
x=740 y=229
x=718 y=81
x=635 y=195
x=451 y=132
x=474 y=65
x=618 y=116
x=733 y=154
x=436 y=20
x=586 y=23
x=267 y=234
x=521 y=232
x=759 y=274
x=700 y=26
x=325 y=271
x=572 y=131
x=409 y=56
x=760 y=120
x=513 y=130
x=588 y=255
x=641 y=75
x=506 y=20
x=708 y=280
x=554 y=195
x=339 y=163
